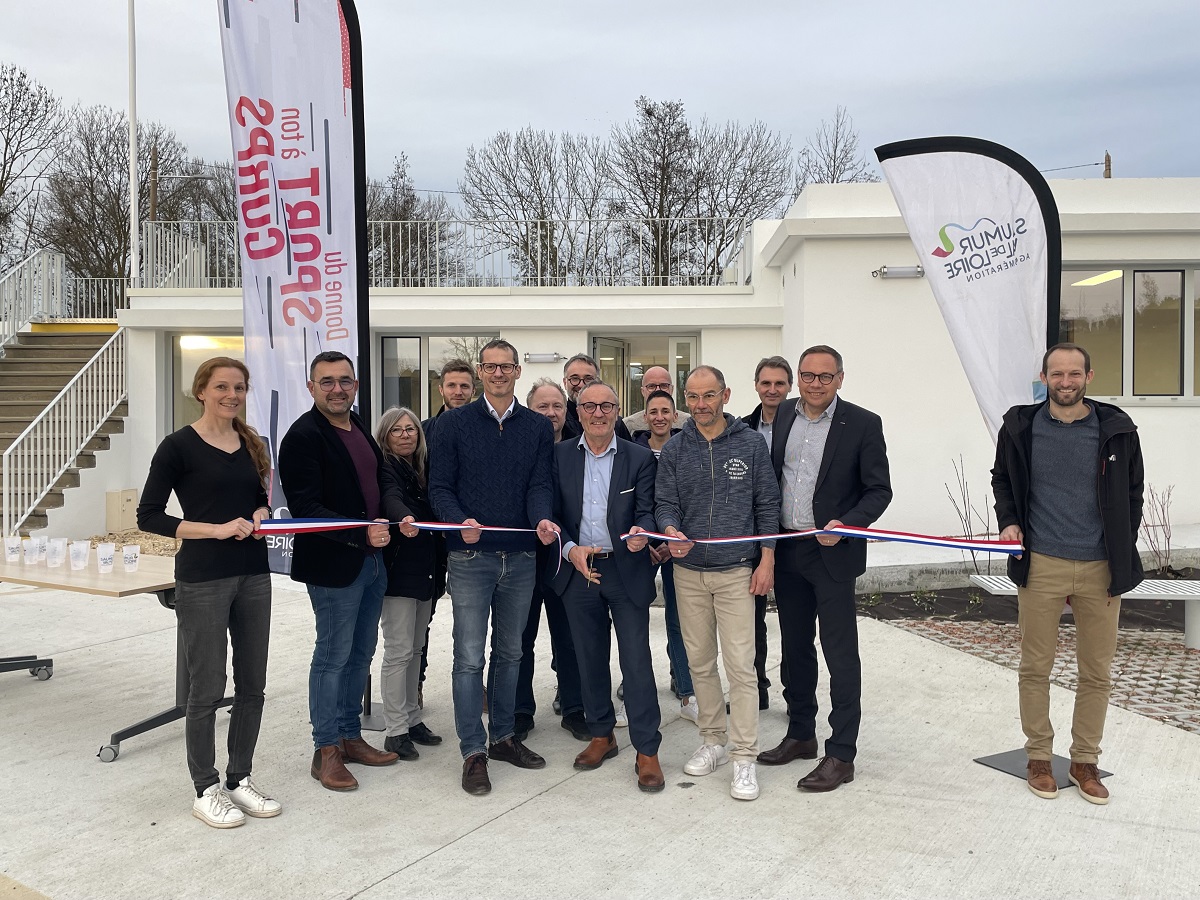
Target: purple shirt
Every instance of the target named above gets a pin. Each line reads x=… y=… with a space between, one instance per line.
x=367 y=465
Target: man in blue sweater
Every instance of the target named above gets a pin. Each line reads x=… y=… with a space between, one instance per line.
x=490 y=465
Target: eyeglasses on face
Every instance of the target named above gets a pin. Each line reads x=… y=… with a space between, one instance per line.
x=328 y=384
x=505 y=368
x=577 y=380
x=403 y=431
x=665 y=386
x=823 y=377
x=606 y=407
x=709 y=397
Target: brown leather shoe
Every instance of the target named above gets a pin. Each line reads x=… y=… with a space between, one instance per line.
x=513 y=751
x=328 y=768
x=789 y=749
x=1086 y=777
x=649 y=773
x=356 y=750
x=475 y=774
x=596 y=752
x=829 y=774
x=1041 y=778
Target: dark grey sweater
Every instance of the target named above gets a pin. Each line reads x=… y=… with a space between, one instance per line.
x=1064 y=510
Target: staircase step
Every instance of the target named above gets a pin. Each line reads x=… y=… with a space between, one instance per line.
x=11 y=426
x=63 y=353
x=98 y=442
x=22 y=378
x=40 y=366
x=71 y=338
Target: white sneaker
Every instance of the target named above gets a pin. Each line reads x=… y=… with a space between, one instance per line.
x=745 y=781
x=622 y=719
x=705 y=760
x=252 y=801
x=690 y=710
x=215 y=808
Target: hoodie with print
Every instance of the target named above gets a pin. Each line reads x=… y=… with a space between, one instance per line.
x=714 y=489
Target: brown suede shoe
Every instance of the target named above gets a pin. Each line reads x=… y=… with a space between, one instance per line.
x=596 y=752
x=829 y=774
x=475 y=774
x=789 y=749
x=1041 y=779
x=356 y=750
x=649 y=773
x=1086 y=777
x=328 y=768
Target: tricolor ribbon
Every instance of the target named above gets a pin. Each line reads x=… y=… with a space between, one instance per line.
x=902 y=537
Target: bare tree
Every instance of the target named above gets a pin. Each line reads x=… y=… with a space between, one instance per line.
x=32 y=121
x=831 y=155
x=85 y=209
x=413 y=240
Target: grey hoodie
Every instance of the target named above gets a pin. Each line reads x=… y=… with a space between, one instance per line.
x=721 y=488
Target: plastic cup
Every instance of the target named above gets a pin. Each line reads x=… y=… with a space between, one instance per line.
x=12 y=549
x=43 y=545
x=105 y=554
x=80 y=551
x=56 y=552
x=29 y=552
x=129 y=556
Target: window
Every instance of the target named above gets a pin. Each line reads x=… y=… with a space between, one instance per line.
x=188 y=351
x=1157 y=333
x=412 y=368
x=400 y=363
x=1090 y=316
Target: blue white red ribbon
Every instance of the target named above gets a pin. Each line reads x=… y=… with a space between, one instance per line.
x=903 y=537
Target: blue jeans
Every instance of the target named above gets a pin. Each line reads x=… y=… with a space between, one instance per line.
x=676 y=651
x=347 y=630
x=500 y=585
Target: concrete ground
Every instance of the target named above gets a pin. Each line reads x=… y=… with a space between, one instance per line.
x=920 y=820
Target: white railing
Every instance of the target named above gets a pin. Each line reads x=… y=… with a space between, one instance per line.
x=49 y=446
x=30 y=290
x=91 y=298
x=494 y=253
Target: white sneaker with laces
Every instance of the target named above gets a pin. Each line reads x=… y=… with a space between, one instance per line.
x=215 y=808
x=690 y=710
x=706 y=760
x=252 y=801
x=622 y=719
x=745 y=781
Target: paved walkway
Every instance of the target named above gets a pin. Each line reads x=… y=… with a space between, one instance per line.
x=920 y=820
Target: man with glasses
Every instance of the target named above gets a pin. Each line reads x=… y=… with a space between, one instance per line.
x=330 y=468
x=490 y=465
x=655 y=378
x=578 y=372
x=831 y=461
x=715 y=481
x=603 y=488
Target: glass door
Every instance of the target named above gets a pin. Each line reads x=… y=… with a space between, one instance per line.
x=681 y=352
x=611 y=354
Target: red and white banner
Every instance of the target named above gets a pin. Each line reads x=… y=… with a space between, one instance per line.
x=288 y=74
x=986 y=230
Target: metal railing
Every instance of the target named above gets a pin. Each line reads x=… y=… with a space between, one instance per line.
x=29 y=289
x=49 y=446
x=493 y=253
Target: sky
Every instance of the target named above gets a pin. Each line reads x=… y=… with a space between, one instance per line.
x=1059 y=81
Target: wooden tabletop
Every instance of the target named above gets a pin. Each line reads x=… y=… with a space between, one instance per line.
x=155 y=573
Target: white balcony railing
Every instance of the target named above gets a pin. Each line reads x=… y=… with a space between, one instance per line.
x=28 y=290
x=464 y=253
x=50 y=444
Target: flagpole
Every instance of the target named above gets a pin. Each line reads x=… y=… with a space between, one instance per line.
x=133 y=171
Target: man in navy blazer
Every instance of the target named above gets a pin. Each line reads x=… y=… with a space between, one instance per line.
x=831 y=461
x=603 y=488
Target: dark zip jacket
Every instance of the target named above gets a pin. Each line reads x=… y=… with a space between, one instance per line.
x=1118 y=487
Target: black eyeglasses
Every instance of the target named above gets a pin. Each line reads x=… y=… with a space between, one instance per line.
x=577 y=380
x=823 y=377
x=506 y=368
x=666 y=386
x=606 y=407
x=328 y=384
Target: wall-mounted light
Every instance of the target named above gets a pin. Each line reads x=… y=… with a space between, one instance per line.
x=899 y=272
x=544 y=357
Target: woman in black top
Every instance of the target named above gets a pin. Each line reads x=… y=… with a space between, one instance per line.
x=416 y=576
x=218 y=468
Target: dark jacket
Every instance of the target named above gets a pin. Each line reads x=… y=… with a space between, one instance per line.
x=573 y=428
x=1118 y=487
x=416 y=565
x=642 y=438
x=630 y=502
x=320 y=481
x=853 y=486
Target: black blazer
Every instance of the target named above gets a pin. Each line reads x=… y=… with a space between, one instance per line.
x=416 y=565
x=630 y=502
x=319 y=480
x=853 y=483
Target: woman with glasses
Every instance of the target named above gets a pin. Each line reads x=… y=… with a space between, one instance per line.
x=661 y=421
x=416 y=576
x=218 y=468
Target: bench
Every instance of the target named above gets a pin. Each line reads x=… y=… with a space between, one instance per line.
x=1151 y=589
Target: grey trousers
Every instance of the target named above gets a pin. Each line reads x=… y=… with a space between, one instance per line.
x=403 y=623
x=207 y=611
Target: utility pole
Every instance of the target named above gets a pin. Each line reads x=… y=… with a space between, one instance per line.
x=1107 y=165
x=153 y=213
